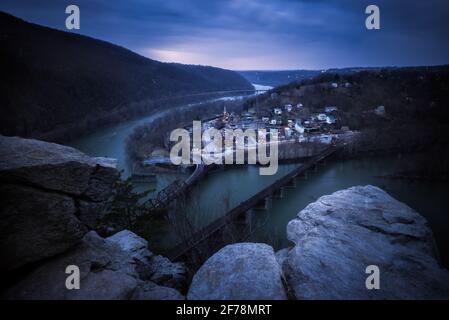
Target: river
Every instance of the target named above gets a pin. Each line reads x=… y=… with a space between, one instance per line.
x=224 y=189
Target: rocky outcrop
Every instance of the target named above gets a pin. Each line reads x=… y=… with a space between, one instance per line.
x=338 y=239
x=106 y=272
x=338 y=236
x=151 y=291
x=167 y=273
x=134 y=245
x=137 y=248
x=156 y=268
x=35 y=224
x=52 y=195
x=243 y=271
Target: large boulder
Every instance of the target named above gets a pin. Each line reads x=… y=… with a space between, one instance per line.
x=106 y=272
x=243 y=271
x=52 y=194
x=55 y=167
x=338 y=236
x=35 y=224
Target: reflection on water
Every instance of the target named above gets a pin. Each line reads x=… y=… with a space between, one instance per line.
x=427 y=198
x=223 y=190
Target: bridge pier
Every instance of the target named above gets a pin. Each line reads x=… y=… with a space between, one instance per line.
x=278 y=194
x=242 y=213
x=262 y=205
x=302 y=176
x=249 y=220
x=321 y=163
x=241 y=218
x=291 y=184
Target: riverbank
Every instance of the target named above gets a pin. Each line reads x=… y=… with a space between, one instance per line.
x=111 y=141
x=222 y=190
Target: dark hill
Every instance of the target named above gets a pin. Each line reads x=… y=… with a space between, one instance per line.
x=282 y=77
x=53 y=80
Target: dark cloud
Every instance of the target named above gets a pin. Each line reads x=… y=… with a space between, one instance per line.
x=260 y=34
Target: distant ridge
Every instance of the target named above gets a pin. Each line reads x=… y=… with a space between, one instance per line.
x=281 y=77
x=53 y=80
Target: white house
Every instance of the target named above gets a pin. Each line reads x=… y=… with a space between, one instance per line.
x=334 y=85
x=288 y=107
x=380 y=111
x=330 y=109
x=288 y=132
x=265 y=119
x=299 y=127
x=273 y=121
x=299 y=105
x=277 y=111
x=330 y=119
x=321 y=117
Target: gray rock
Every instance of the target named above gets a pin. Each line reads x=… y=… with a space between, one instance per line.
x=35 y=224
x=54 y=167
x=107 y=272
x=104 y=285
x=53 y=193
x=151 y=291
x=167 y=273
x=131 y=243
x=137 y=248
x=339 y=235
x=281 y=255
x=158 y=269
x=243 y=271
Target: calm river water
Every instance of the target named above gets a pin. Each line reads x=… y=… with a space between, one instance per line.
x=224 y=189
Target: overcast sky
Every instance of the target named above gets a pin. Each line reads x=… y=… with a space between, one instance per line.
x=259 y=34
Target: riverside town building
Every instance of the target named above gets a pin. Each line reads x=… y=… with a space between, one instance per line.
x=208 y=147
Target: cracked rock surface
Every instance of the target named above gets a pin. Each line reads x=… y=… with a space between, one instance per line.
x=106 y=272
x=241 y=271
x=341 y=234
x=52 y=194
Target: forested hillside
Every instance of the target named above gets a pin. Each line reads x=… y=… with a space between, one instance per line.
x=53 y=80
x=282 y=77
x=278 y=77
x=395 y=108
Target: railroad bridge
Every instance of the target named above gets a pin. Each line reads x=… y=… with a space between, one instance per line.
x=204 y=234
